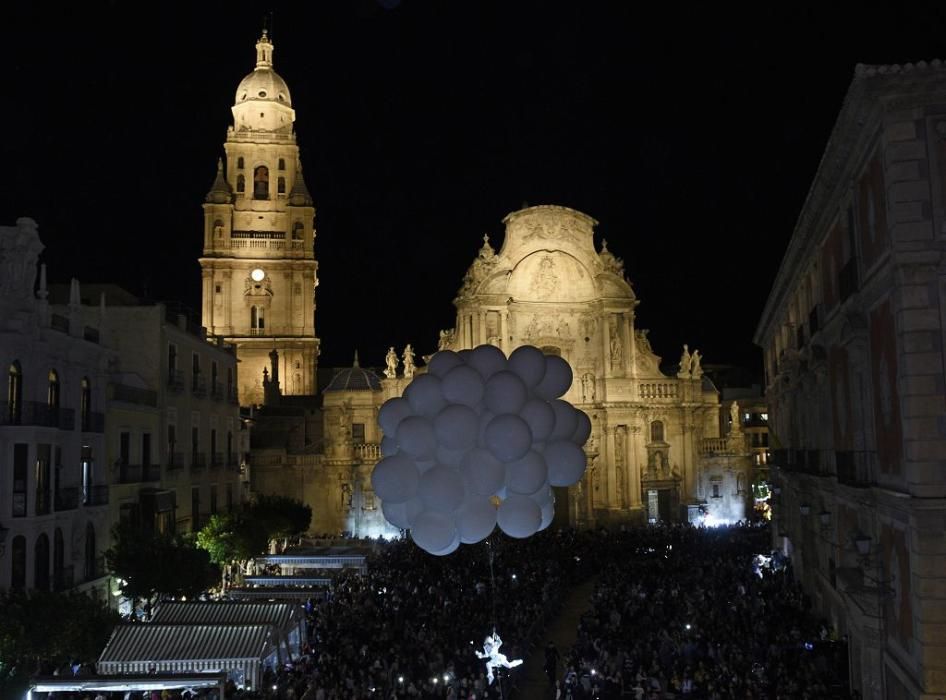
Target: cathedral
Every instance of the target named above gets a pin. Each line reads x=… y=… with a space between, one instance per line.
x=656 y=451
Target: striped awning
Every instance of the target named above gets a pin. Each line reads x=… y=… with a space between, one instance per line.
x=286 y=581
x=282 y=615
x=275 y=593
x=155 y=643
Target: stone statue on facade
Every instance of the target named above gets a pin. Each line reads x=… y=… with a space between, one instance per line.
x=391 y=361
x=734 y=417
x=617 y=350
x=695 y=369
x=685 y=363
x=588 y=387
x=446 y=339
x=409 y=362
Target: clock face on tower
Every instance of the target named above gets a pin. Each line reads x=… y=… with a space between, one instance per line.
x=257 y=275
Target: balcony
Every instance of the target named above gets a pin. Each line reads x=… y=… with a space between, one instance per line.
x=66 y=499
x=92 y=422
x=199 y=386
x=847 y=279
x=232 y=396
x=216 y=391
x=176 y=380
x=857 y=469
x=133 y=394
x=137 y=473
x=198 y=460
x=41 y=414
x=176 y=460
x=368 y=452
x=216 y=459
x=97 y=496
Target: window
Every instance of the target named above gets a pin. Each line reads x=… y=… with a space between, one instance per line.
x=218 y=289
x=213 y=447
x=261 y=182
x=213 y=499
x=87 y=464
x=195 y=508
x=172 y=440
x=281 y=185
x=358 y=433
x=85 y=404
x=240 y=162
x=195 y=440
x=229 y=448
x=213 y=375
x=41 y=563
x=172 y=360
x=257 y=320
x=282 y=163
x=43 y=496
x=715 y=490
x=124 y=449
x=18 y=563
x=20 y=456
x=229 y=498
x=298 y=231
x=195 y=371
x=241 y=184
x=146 y=450
x=218 y=228
x=90 y=567
x=15 y=393
x=657 y=431
x=229 y=381
x=52 y=393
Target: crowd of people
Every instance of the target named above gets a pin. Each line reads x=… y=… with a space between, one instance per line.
x=678 y=611
x=694 y=613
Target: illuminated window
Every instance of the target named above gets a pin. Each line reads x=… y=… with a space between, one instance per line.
x=358 y=433
x=257 y=320
x=765 y=417
x=15 y=393
x=261 y=182
x=52 y=394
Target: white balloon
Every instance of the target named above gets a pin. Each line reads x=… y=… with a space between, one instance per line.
x=528 y=363
x=425 y=396
x=441 y=489
x=557 y=379
x=388 y=446
x=583 y=431
x=483 y=472
x=425 y=465
x=450 y=458
x=527 y=475
x=548 y=512
x=566 y=420
x=457 y=427
x=505 y=393
x=508 y=437
x=450 y=548
x=519 y=516
x=476 y=519
x=544 y=495
x=395 y=479
x=415 y=436
x=487 y=360
x=401 y=515
x=442 y=362
x=391 y=413
x=433 y=531
x=566 y=462
x=540 y=417
x=463 y=385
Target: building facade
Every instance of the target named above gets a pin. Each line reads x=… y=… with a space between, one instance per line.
x=653 y=434
x=259 y=271
x=853 y=334
x=54 y=524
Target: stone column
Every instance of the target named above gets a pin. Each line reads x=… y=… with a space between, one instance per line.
x=608 y=480
x=481 y=315
x=634 y=471
x=606 y=369
x=504 y=343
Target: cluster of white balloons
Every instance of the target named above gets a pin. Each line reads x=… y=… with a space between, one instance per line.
x=477 y=441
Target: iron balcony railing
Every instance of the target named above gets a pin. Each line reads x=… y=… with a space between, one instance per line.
x=36 y=413
x=136 y=473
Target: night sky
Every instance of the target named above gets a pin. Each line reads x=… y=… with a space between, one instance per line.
x=691 y=135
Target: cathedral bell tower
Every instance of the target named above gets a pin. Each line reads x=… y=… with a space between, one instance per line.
x=259 y=271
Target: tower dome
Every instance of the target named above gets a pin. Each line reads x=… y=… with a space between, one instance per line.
x=262 y=100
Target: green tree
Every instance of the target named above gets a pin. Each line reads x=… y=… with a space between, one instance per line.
x=150 y=565
x=42 y=630
x=281 y=517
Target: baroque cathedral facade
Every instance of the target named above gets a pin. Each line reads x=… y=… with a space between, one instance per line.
x=655 y=452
